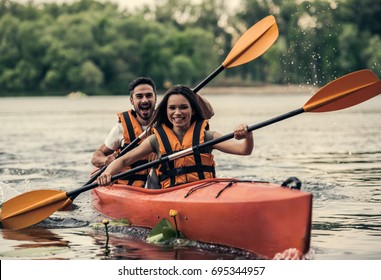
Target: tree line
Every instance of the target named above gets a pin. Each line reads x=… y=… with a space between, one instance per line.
x=98 y=48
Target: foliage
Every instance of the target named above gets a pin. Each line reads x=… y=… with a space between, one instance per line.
x=319 y=39
x=97 y=48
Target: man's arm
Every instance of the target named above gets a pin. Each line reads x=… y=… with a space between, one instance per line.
x=102 y=156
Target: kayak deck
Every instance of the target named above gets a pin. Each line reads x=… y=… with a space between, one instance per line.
x=260 y=217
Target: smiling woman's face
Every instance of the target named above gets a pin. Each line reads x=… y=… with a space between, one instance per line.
x=179 y=111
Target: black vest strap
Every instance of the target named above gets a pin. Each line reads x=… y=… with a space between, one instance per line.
x=169 y=170
x=167 y=146
x=131 y=132
x=196 y=154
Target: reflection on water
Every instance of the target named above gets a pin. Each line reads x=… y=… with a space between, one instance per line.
x=34 y=237
x=33 y=243
x=128 y=248
x=38 y=242
x=46 y=143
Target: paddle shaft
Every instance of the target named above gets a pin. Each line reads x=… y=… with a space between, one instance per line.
x=209 y=78
x=196 y=148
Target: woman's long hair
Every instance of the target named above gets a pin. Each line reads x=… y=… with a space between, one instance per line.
x=160 y=115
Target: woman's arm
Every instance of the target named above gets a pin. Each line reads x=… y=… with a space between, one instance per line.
x=232 y=146
x=115 y=167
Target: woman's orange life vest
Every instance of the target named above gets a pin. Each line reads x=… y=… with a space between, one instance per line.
x=131 y=130
x=193 y=167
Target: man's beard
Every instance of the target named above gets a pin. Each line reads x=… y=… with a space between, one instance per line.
x=144 y=112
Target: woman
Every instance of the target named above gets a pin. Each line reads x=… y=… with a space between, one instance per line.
x=178 y=123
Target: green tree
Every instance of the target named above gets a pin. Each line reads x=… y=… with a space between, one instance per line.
x=86 y=77
x=198 y=46
x=350 y=48
x=372 y=54
x=181 y=69
x=96 y=47
x=365 y=14
x=9 y=48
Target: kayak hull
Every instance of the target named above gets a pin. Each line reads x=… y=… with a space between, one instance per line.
x=259 y=217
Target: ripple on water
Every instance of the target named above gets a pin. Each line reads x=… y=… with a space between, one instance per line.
x=129 y=243
x=62 y=222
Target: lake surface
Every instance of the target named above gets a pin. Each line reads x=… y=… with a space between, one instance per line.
x=47 y=143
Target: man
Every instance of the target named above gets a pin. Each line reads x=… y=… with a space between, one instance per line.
x=131 y=124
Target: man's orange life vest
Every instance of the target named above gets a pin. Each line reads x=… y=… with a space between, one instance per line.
x=193 y=167
x=131 y=130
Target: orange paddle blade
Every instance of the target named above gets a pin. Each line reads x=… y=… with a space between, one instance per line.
x=253 y=43
x=32 y=207
x=345 y=92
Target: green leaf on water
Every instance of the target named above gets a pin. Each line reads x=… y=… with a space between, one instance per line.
x=161 y=232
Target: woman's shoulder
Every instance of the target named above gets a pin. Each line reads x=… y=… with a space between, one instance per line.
x=154 y=142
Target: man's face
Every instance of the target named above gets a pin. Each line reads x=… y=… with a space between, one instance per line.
x=143 y=99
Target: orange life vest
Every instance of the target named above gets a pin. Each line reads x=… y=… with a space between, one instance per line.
x=193 y=167
x=131 y=130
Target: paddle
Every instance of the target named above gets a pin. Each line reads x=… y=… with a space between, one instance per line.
x=253 y=43
x=34 y=206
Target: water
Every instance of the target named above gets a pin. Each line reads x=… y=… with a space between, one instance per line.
x=47 y=143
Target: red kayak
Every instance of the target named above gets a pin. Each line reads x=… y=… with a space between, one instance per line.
x=259 y=217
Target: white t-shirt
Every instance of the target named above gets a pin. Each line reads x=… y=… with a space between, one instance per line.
x=115 y=139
